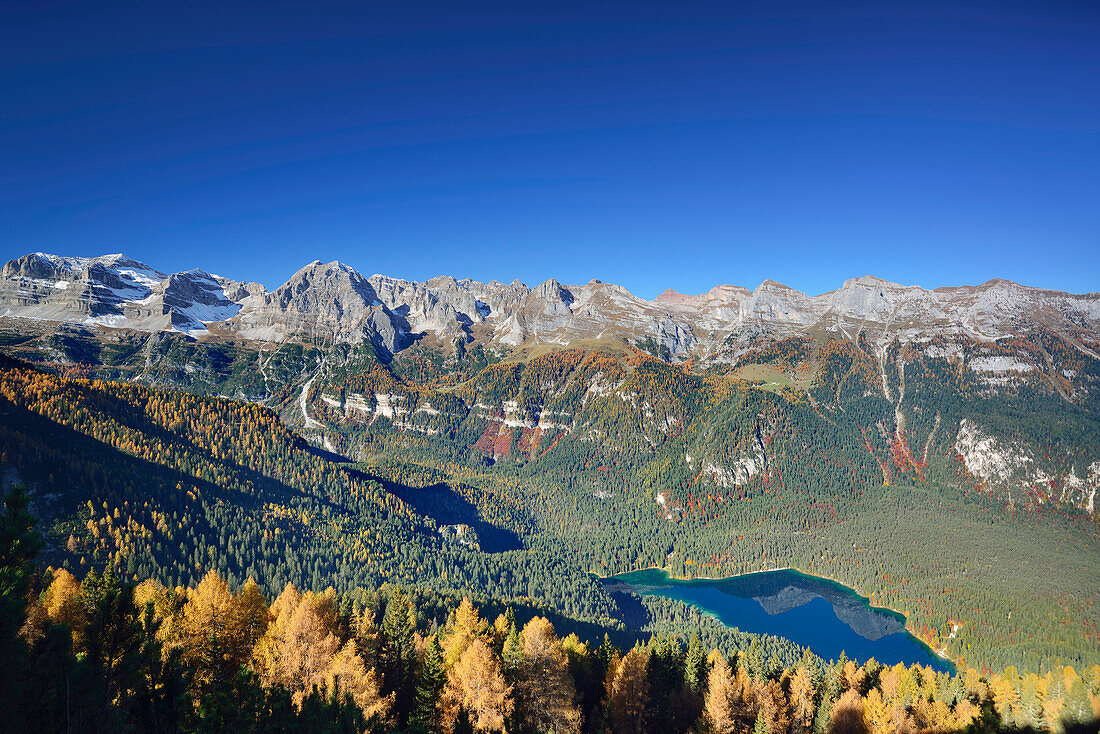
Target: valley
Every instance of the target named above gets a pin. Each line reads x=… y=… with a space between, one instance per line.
x=484 y=441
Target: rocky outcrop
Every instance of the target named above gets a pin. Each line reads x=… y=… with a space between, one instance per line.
x=1022 y=472
x=322 y=302
x=333 y=303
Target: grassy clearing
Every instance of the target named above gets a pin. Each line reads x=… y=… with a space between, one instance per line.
x=770 y=378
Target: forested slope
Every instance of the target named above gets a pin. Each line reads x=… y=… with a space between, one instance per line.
x=517 y=479
x=166 y=484
x=842 y=463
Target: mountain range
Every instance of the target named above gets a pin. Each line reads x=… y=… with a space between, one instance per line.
x=294 y=348
x=334 y=303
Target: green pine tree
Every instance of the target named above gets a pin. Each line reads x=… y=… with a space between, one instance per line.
x=512 y=657
x=397 y=655
x=433 y=676
x=695 y=665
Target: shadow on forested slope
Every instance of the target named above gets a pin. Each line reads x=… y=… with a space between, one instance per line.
x=440 y=502
x=325 y=454
x=634 y=613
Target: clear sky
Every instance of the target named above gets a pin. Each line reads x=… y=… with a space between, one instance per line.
x=677 y=144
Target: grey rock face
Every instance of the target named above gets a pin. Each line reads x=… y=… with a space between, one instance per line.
x=323 y=302
x=333 y=303
x=74 y=289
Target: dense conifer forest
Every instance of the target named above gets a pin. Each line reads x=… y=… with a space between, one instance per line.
x=168 y=484
x=104 y=654
x=155 y=497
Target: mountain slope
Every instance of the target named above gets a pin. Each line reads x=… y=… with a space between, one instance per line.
x=901 y=440
x=169 y=484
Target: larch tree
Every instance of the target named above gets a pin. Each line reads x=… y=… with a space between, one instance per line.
x=211 y=633
x=803 y=709
x=847 y=716
x=348 y=675
x=167 y=607
x=475 y=684
x=628 y=697
x=1006 y=694
x=298 y=647
x=545 y=694
x=721 y=698
x=773 y=709
x=465 y=627
x=878 y=713
x=253 y=613
x=62 y=601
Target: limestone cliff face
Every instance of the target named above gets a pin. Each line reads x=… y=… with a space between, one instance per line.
x=333 y=303
x=326 y=302
x=995 y=338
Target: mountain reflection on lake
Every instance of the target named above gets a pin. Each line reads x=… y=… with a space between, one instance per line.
x=823 y=615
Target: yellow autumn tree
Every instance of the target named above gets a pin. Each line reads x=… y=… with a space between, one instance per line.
x=1003 y=687
x=847 y=716
x=167 y=608
x=347 y=674
x=298 y=647
x=877 y=713
x=722 y=698
x=545 y=695
x=803 y=692
x=211 y=632
x=62 y=601
x=629 y=694
x=937 y=716
x=465 y=627
x=853 y=677
x=773 y=709
x=476 y=685
x=966 y=713
x=254 y=615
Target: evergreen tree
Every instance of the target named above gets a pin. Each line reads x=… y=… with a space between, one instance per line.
x=512 y=654
x=463 y=724
x=113 y=650
x=1078 y=709
x=18 y=545
x=432 y=679
x=695 y=666
x=397 y=655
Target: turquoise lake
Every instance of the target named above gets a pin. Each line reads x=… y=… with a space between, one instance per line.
x=823 y=615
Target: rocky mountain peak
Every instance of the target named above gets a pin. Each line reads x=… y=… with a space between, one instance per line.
x=719 y=295
x=774 y=286
x=332 y=302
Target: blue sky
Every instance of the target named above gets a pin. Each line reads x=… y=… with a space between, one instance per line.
x=653 y=145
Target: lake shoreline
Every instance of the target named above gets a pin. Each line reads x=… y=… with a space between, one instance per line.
x=867 y=600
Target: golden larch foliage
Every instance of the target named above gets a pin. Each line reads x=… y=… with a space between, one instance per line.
x=476 y=684
x=629 y=694
x=545 y=693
